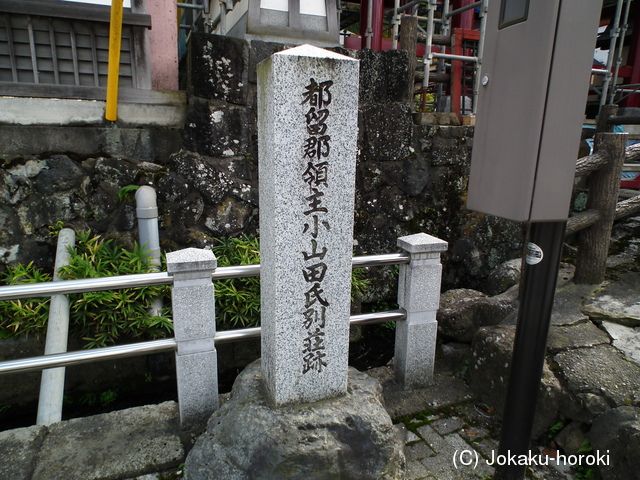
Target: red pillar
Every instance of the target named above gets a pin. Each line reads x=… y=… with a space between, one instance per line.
x=464 y=19
x=376 y=22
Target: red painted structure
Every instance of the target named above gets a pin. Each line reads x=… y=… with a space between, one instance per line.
x=463 y=27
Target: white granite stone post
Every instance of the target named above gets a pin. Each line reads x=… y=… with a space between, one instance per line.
x=194 y=322
x=307 y=126
x=419 y=295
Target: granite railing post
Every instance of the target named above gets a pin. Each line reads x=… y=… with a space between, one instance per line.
x=419 y=295
x=194 y=320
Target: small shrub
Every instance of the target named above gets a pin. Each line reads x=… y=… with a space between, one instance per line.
x=237 y=299
x=25 y=316
x=100 y=318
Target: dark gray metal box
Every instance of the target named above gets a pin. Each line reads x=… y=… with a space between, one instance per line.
x=535 y=71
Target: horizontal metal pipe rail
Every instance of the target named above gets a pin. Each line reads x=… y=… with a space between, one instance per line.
x=70 y=287
x=463 y=9
x=447 y=56
x=158 y=346
x=190 y=6
x=409 y=5
x=67 y=287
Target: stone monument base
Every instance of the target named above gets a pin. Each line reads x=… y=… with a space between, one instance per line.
x=349 y=437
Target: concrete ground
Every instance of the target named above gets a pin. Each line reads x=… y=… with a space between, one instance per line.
x=448 y=435
x=448 y=432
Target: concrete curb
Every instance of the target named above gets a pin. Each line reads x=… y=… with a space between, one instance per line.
x=112 y=446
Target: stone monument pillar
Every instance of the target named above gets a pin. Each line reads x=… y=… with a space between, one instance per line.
x=308 y=126
x=308 y=107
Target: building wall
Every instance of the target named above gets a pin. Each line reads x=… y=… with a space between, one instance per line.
x=409 y=178
x=163 y=44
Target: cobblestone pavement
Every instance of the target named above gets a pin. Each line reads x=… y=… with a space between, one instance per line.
x=455 y=439
x=452 y=436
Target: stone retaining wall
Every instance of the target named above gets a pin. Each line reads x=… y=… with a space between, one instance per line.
x=409 y=178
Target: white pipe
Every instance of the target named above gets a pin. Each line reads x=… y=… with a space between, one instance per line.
x=223 y=17
x=147 y=213
x=52 y=383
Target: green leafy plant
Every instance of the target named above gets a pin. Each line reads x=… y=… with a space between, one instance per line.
x=555 y=429
x=585 y=447
x=237 y=299
x=108 y=397
x=102 y=317
x=29 y=315
x=54 y=229
x=99 y=317
x=126 y=192
x=359 y=283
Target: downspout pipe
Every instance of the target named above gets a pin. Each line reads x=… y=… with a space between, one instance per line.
x=149 y=238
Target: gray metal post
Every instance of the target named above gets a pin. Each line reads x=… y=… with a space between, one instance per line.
x=52 y=383
x=615 y=33
x=194 y=324
x=419 y=295
x=396 y=24
x=480 y=54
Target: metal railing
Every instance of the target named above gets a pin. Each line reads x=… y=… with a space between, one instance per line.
x=69 y=287
x=194 y=345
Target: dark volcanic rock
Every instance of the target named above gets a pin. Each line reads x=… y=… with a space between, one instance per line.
x=350 y=437
x=60 y=173
x=616 y=434
x=463 y=311
x=219 y=68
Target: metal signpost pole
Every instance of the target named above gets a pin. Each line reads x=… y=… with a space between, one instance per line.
x=539 y=278
x=523 y=169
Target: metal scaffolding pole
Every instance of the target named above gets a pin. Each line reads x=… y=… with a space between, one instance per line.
x=428 y=56
x=615 y=32
x=623 y=32
x=483 y=27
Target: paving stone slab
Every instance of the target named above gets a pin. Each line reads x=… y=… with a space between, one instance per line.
x=583 y=334
x=18 y=450
x=618 y=302
x=114 y=445
x=435 y=441
x=599 y=378
x=418 y=451
x=625 y=339
x=444 y=426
